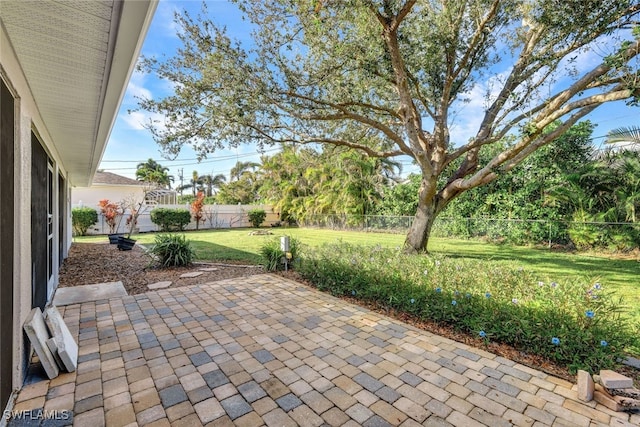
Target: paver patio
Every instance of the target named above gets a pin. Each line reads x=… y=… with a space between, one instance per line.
x=264 y=350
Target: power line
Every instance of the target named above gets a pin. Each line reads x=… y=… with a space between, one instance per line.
x=237 y=156
x=219 y=158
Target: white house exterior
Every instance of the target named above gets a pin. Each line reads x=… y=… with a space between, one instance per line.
x=64 y=67
x=107 y=185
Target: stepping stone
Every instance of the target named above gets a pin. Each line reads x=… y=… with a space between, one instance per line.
x=38 y=335
x=62 y=342
x=612 y=379
x=209 y=269
x=159 y=285
x=192 y=274
x=632 y=361
x=86 y=293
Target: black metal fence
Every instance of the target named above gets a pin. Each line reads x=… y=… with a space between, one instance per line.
x=623 y=234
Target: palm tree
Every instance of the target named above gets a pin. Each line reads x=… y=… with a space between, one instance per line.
x=624 y=134
x=153 y=172
x=195 y=183
x=242 y=168
x=212 y=182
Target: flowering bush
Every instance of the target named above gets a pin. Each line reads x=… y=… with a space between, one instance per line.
x=573 y=322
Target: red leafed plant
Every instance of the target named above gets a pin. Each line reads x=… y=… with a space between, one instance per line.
x=197 y=209
x=110 y=211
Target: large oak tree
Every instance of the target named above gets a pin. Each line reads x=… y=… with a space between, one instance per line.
x=390 y=77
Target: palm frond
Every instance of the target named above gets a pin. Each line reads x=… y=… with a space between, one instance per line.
x=624 y=134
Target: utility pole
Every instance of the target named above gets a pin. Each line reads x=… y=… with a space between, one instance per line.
x=181 y=175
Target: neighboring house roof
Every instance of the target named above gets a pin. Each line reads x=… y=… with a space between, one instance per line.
x=108 y=178
x=77 y=57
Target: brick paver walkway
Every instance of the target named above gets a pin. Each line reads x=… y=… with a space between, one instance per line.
x=263 y=350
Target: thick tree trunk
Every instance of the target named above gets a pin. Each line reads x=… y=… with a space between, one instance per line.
x=420 y=230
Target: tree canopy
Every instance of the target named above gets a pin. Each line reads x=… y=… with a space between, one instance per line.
x=391 y=78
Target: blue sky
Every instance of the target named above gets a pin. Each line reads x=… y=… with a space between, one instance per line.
x=130 y=143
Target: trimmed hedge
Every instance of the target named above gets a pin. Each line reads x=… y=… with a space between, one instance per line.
x=171 y=219
x=82 y=219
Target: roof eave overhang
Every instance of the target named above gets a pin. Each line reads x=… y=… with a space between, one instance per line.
x=132 y=26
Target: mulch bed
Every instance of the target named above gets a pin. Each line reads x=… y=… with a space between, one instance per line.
x=91 y=263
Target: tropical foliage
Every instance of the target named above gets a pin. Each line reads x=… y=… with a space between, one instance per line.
x=154 y=173
x=556 y=189
x=304 y=182
x=630 y=135
x=242 y=187
x=209 y=184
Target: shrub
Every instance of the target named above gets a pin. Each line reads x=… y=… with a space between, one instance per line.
x=257 y=217
x=186 y=199
x=576 y=323
x=271 y=254
x=82 y=219
x=170 y=219
x=196 y=209
x=172 y=250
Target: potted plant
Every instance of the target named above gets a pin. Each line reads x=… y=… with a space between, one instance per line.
x=136 y=207
x=111 y=212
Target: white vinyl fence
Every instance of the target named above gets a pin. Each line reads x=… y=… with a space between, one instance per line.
x=215 y=216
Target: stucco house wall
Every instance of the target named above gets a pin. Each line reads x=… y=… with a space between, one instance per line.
x=46 y=73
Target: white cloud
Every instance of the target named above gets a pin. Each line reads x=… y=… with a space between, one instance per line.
x=138 y=91
x=138 y=119
x=165 y=16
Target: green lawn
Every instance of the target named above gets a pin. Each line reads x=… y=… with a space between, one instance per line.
x=622 y=276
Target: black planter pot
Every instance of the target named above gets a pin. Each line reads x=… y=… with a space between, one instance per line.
x=113 y=238
x=125 y=244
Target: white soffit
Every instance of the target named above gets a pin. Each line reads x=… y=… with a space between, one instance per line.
x=77 y=57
